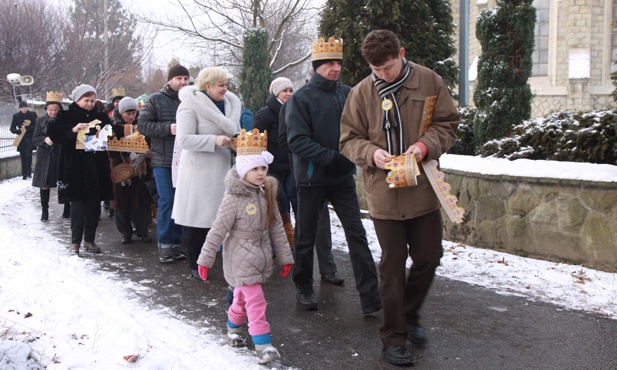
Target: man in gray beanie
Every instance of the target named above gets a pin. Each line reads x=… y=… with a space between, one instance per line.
x=157 y=121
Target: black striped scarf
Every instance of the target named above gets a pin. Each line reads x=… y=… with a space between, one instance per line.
x=391 y=123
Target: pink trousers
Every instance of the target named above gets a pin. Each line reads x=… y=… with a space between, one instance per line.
x=250 y=302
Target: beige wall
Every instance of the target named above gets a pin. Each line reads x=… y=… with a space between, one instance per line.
x=576 y=26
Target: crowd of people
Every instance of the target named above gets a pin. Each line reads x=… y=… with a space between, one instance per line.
x=258 y=190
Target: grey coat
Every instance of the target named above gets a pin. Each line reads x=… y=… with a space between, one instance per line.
x=247 y=244
x=203 y=166
x=47 y=157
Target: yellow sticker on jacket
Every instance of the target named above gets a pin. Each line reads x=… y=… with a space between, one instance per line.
x=251 y=209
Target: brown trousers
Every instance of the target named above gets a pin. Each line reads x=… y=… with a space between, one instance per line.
x=402 y=297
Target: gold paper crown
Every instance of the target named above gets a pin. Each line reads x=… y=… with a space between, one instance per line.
x=118 y=92
x=133 y=143
x=252 y=142
x=54 y=96
x=322 y=50
x=403 y=171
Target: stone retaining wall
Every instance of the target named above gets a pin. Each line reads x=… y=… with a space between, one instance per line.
x=560 y=220
x=10 y=165
x=572 y=221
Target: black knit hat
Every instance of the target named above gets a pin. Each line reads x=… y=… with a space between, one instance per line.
x=177 y=70
x=317 y=63
x=23 y=104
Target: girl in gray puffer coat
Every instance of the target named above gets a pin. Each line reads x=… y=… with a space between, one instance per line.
x=248 y=224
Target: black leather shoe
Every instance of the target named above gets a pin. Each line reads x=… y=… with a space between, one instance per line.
x=306 y=301
x=126 y=239
x=145 y=238
x=399 y=355
x=333 y=279
x=371 y=309
x=416 y=335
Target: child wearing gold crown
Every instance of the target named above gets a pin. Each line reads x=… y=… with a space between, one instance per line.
x=248 y=224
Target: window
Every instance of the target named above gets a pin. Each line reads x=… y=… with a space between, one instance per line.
x=539 y=57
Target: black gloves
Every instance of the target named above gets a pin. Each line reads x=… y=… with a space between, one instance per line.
x=341 y=165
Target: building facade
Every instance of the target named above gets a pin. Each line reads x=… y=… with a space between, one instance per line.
x=574 y=55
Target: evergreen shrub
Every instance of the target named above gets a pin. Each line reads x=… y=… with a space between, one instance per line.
x=465 y=143
x=561 y=136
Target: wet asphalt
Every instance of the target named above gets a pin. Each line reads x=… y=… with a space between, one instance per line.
x=469 y=327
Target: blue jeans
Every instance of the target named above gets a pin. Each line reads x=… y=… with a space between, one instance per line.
x=287 y=193
x=167 y=231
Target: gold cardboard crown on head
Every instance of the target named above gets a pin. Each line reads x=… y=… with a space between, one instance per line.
x=252 y=142
x=54 y=96
x=331 y=49
x=118 y=91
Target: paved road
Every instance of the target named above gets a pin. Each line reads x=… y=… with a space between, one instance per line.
x=469 y=327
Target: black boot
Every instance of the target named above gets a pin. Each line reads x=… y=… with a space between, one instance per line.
x=67 y=210
x=45 y=204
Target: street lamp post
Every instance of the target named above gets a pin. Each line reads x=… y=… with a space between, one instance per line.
x=15 y=79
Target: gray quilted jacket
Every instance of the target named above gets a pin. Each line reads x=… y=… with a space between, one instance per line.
x=241 y=226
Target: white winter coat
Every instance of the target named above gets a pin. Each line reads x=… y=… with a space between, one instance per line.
x=203 y=166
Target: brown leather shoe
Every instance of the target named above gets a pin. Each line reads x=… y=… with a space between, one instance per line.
x=74 y=248
x=91 y=247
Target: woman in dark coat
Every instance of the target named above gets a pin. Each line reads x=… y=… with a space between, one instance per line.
x=132 y=202
x=48 y=152
x=267 y=119
x=85 y=175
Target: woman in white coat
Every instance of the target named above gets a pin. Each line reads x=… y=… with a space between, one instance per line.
x=207 y=118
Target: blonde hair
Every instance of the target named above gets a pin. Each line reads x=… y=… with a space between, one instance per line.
x=210 y=76
x=271 y=205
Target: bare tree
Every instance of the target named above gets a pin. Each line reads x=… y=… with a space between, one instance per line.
x=32 y=42
x=104 y=47
x=217 y=28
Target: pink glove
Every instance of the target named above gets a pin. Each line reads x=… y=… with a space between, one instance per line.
x=286 y=270
x=203 y=272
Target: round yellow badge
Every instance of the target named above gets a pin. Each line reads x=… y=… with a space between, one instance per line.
x=386 y=104
x=251 y=209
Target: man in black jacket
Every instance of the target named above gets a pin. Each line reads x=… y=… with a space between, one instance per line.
x=313 y=117
x=24 y=119
x=157 y=121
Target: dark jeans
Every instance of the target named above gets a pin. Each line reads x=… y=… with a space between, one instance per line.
x=402 y=296
x=167 y=231
x=195 y=236
x=84 y=220
x=26 y=162
x=344 y=199
x=287 y=193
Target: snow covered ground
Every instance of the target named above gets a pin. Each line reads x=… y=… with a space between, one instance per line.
x=72 y=315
